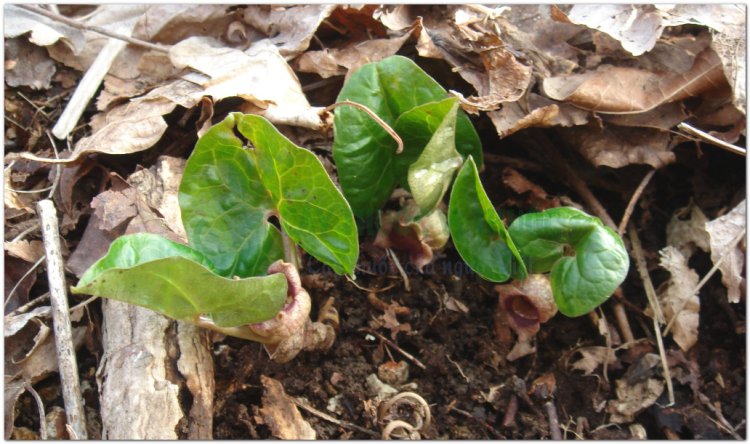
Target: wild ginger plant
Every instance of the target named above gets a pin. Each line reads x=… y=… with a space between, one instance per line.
x=441 y=151
x=232 y=276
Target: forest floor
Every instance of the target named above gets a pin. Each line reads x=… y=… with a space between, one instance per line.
x=439 y=333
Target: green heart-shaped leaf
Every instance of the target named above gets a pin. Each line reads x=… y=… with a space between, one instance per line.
x=431 y=174
x=478 y=232
x=228 y=193
x=365 y=155
x=312 y=211
x=588 y=260
x=177 y=281
x=225 y=207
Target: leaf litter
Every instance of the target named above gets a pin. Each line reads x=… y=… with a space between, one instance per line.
x=518 y=70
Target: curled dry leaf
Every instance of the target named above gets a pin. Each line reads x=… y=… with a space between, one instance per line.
x=617 y=147
x=592 y=358
x=30 y=251
x=722 y=232
x=636 y=27
x=535 y=111
x=171 y=23
x=113 y=18
x=631 y=399
x=137 y=125
x=494 y=72
x=159 y=186
x=673 y=293
x=686 y=230
x=623 y=90
x=259 y=75
x=335 y=62
x=727 y=23
x=290 y=28
x=280 y=413
x=44 y=31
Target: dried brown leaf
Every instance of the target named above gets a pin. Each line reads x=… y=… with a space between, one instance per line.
x=535 y=111
x=636 y=27
x=93 y=245
x=592 y=358
x=728 y=28
x=171 y=23
x=159 y=187
x=15 y=269
x=27 y=65
x=44 y=31
x=617 y=147
x=30 y=251
x=663 y=117
x=259 y=75
x=632 y=399
x=113 y=208
x=623 y=90
x=673 y=293
x=280 y=413
x=722 y=231
x=336 y=62
x=290 y=28
x=686 y=230
x=537 y=197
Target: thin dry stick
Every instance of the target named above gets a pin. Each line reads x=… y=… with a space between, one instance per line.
x=705 y=279
x=466 y=378
x=554 y=422
x=330 y=418
x=608 y=342
x=369 y=290
x=40 y=407
x=70 y=22
x=622 y=322
x=648 y=285
x=89 y=84
x=396 y=347
x=58 y=167
x=633 y=200
x=401 y=271
x=374 y=117
x=66 y=354
x=711 y=139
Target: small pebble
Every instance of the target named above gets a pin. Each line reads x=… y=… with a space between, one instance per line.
x=394 y=373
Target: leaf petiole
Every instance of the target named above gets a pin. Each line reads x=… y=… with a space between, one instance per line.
x=375 y=117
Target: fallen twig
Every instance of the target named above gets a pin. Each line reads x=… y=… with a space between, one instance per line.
x=401 y=271
x=88 y=85
x=622 y=322
x=648 y=285
x=66 y=354
x=74 y=23
x=554 y=423
x=395 y=346
x=329 y=418
x=633 y=200
x=711 y=139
